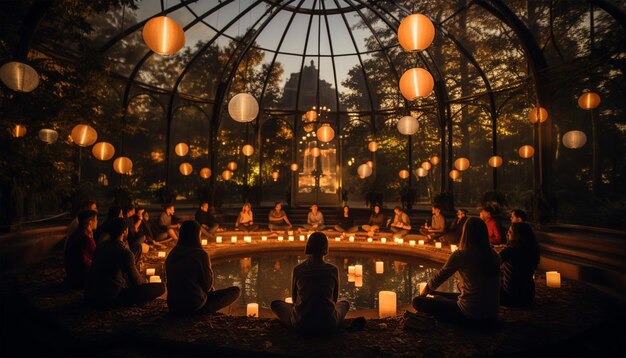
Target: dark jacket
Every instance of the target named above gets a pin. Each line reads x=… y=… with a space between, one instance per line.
x=518 y=285
x=315 y=289
x=189 y=278
x=345 y=222
x=79 y=257
x=205 y=218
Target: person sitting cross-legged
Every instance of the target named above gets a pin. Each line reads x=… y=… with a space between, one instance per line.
x=114 y=280
x=278 y=218
x=79 y=249
x=190 y=277
x=314 y=220
x=401 y=224
x=245 y=220
x=479 y=280
x=166 y=230
x=520 y=258
x=345 y=222
x=314 y=290
x=437 y=225
x=375 y=221
x=207 y=220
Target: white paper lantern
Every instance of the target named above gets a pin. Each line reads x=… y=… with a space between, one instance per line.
x=325 y=133
x=574 y=139
x=364 y=171
x=243 y=107
x=408 y=125
x=103 y=151
x=84 y=135
x=421 y=172
x=48 y=135
x=19 y=76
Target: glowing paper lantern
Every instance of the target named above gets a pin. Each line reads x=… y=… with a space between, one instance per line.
x=462 y=164
x=123 y=165
x=185 y=169
x=205 y=173
x=526 y=151
x=84 y=135
x=19 y=76
x=495 y=161
x=227 y=174
x=163 y=35
x=589 y=100
x=311 y=116
x=386 y=304
x=421 y=172
x=275 y=175
x=434 y=160
x=232 y=166
x=325 y=133
x=372 y=146
x=294 y=167
x=574 y=139
x=316 y=152
x=181 y=149
x=370 y=163
x=408 y=125
x=243 y=107
x=48 y=135
x=538 y=114
x=426 y=165
x=103 y=151
x=18 y=130
x=415 y=83
x=247 y=150
x=403 y=174
x=364 y=171
x=416 y=32
x=455 y=174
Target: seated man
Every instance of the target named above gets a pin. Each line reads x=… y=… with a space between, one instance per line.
x=453 y=235
x=314 y=290
x=401 y=224
x=207 y=220
x=114 y=279
x=517 y=216
x=80 y=248
x=437 y=225
x=278 y=218
x=315 y=220
x=495 y=236
x=135 y=237
x=165 y=230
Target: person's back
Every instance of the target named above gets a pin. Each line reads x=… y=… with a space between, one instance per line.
x=519 y=261
x=479 y=287
x=316 y=284
x=188 y=279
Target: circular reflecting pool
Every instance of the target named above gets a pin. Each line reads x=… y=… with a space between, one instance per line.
x=267 y=277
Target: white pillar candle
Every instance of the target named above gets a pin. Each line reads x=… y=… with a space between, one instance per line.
x=453 y=248
x=233 y=239
x=218 y=239
x=205 y=242
x=383 y=240
x=290 y=232
x=369 y=239
x=247 y=238
x=351 y=277
x=438 y=245
x=280 y=238
x=155 y=279
x=380 y=267
x=412 y=242
x=358 y=270
x=161 y=254
x=263 y=238
x=400 y=241
x=291 y=238
x=553 y=279
x=351 y=270
x=289 y=300
x=358 y=281
x=150 y=272
x=301 y=237
x=252 y=310
x=386 y=304
x=337 y=239
x=351 y=239
x=421 y=242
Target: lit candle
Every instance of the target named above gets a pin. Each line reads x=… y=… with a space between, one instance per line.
x=412 y=242
x=218 y=239
x=252 y=310
x=280 y=238
x=337 y=239
x=383 y=240
x=145 y=248
x=422 y=285
x=453 y=248
x=289 y=300
x=351 y=239
x=421 y=242
x=291 y=238
x=247 y=238
x=369 y=239
x=553 y=279
x=351 y=277
x=150 y=272
x=161 y=254
x=155 y=279
x=301 y=237
x=380 y=267
x=438 y=245
x=233 y=239
x=358 y=270
x=358 y=281
x=400 y=241
x=263 y=238
x=351 y=270
x=386 y=304
x=290 y=232
x=205 y=242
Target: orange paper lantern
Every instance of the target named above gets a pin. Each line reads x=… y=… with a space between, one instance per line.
x=294 y=167
x=325 y=133
x=589 y=100
x=316 y=152
x=123 y=165
x=103 y=151
x=403 y=174
x=415 y=83
x=205 y=173
x=364 y=171
x=227 y=174
x=181 y=149
x=247 y=150
x=232 y=166
x=372 y=146
x=434 y=160
x=370 y=163
x=275 y=175
x=426 y=165
x=185 y=169
x=163 y=35
x=455 y=174
x=495 y=161
x=526 y=151
x=416 y=32
x=18 y=130
x=310 y=116
x=538 y=114
x=462 y=164
x=84 y=135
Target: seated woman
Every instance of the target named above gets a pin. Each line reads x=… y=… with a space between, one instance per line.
x=114 y=280
x=278 y=218
x=102 y=233
x=314 y=290
x=79 y=249
x=519 y=260
x=190 y=278
x=345 y=222
x=401 y=224
x=245 y=220
x=314 y=220
x=375 y=221
x=479 y=280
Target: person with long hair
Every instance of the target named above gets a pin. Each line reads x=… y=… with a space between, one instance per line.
x=375 y=221
x=315 y=291
x=102 y=233
x=245 y=220
x=345 y=222
x=190 y=278
x=478 y=268
x=80 y=248
x=519 y=260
